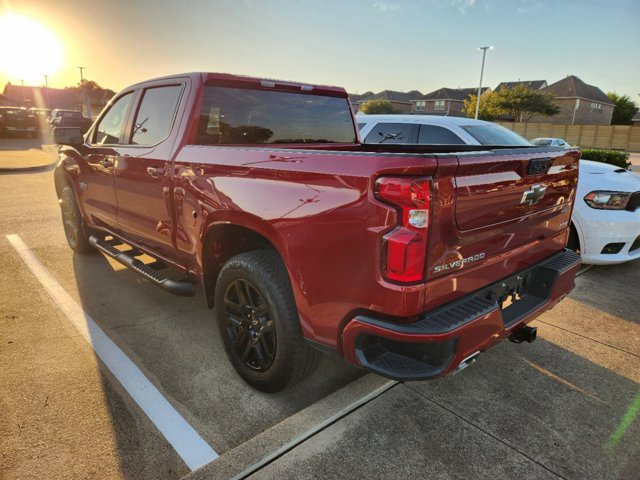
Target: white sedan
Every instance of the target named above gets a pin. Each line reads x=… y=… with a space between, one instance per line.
x=605 y=226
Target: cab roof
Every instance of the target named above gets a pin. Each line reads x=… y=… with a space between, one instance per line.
x=243 y=81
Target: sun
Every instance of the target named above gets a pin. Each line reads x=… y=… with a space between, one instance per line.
x=29 y=49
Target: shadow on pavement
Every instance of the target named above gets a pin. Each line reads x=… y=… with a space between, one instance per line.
x=175 y=343
x=612 y=289
x=22 y=155
x=21 y=143
x=527 y=412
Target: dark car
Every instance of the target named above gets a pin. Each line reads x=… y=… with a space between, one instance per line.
x=70 y=118
x=18 y=121
x=41 y=112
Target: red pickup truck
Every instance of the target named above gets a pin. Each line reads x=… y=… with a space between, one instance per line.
x=406 y=260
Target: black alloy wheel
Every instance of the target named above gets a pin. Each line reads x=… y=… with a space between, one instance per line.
x=249 y=325
x=259 y=323
x=74 y=228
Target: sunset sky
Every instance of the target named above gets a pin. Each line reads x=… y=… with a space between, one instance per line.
x=360 y=45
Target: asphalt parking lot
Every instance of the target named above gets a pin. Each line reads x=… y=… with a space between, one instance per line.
x=566 y=406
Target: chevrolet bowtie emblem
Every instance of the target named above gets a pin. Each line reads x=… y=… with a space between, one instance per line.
x=533 y=195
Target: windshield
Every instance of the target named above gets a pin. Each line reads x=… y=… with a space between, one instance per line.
x=542 y=142
x=13 y=112
x=494 y=135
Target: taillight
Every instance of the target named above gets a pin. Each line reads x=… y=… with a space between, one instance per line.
x=405 y=247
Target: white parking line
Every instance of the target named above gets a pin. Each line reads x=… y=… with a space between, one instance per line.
x=183 y=438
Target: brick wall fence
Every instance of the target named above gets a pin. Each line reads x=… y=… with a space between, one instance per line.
x=618 y=137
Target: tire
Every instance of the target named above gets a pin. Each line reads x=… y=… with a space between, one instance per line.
x=75 y=230
x=573 y=243
x=258 y=322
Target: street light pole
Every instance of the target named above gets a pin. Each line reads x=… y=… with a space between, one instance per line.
x=46 y=89
x=87 y=99
x=484 y=53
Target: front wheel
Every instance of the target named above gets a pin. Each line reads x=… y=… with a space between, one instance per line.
x=258 y=322
x=74 y=227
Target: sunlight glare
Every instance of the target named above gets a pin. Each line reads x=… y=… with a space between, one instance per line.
x=29 y=49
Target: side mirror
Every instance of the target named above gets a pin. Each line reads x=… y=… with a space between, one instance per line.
x=68 y=136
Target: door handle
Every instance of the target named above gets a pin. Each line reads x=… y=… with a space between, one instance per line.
x=155 y=172
x=106 y=163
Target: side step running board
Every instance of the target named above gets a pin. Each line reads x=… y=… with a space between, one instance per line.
x=182 y=288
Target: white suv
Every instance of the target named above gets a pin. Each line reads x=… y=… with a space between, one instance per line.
x=434 y=130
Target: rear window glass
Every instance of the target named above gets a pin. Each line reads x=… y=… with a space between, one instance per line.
x=13 y=112
x=232 y=116
x=494 y=135
x=434 y=135
x=390 y=133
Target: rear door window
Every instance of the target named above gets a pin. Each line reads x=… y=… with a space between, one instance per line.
x=391 y=133
x=155 y=115
x=231 y=116
x=434 y=135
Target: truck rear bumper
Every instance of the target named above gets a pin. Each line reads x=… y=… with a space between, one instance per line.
x=441 y=340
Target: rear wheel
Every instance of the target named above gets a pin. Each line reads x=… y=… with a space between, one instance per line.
x=258 y=322
x=74 y=228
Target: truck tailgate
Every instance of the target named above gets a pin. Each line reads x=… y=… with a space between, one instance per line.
x=500 y=188
x=500 y=202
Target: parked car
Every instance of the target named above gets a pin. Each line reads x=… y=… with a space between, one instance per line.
x=18 y=121
x=550 y=142
x=434 y=130
x=41 y=112
x=406 y=261
x=70 y=118
x=605 y=225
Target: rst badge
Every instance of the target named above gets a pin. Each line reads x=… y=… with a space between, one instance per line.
x=533 y=195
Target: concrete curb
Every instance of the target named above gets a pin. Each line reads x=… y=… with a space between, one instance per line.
x=31 y=169
x=264 y=448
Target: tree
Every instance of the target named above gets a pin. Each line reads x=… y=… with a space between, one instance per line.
x=521 y=103
x=372 y=107
x=623 y=109
x=488 y=108
x=97 y=94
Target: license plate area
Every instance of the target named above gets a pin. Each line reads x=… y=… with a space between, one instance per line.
x=519 y=295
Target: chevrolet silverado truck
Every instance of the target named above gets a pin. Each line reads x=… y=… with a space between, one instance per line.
x=408 y=261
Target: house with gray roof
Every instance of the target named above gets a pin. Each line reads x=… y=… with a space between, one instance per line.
x=531 y=84
x=445 y=101
x=579 y=103
x=401 y=101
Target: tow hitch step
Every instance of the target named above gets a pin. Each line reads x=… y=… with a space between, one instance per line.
x=151 y=271
x=524 y=334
